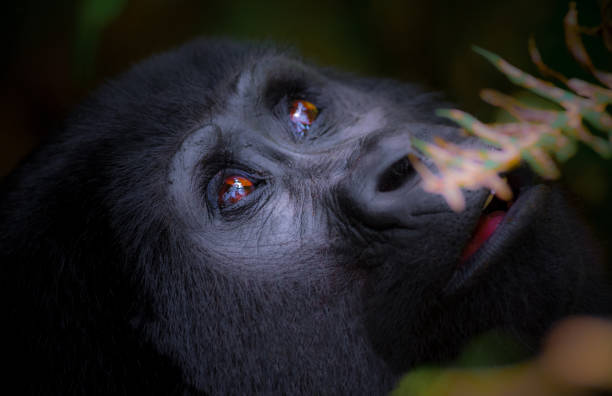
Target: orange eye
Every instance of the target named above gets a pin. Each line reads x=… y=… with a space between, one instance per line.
x=302 y=114
x=234 y=188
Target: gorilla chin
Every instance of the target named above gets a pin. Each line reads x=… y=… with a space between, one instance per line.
x=228 y=218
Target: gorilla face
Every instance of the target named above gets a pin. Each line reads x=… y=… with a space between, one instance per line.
x=229 y=219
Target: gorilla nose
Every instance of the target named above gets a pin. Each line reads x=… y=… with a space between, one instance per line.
x=394 y=177
x=383 y=190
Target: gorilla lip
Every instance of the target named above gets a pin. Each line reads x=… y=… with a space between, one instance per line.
x=494 y=211
x=496 y=232
x=487 y=225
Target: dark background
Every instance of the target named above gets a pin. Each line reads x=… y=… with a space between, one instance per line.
x=58 y=51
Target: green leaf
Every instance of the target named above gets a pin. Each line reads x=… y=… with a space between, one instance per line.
x=93 y=16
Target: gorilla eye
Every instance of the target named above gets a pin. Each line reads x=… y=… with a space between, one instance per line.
x=302 y=114
x=234 y=188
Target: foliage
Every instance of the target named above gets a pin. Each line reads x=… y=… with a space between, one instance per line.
x=539 y=137
x=576 y=359
x=93 y=17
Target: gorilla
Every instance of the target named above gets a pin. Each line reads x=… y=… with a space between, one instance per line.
x=228 y=218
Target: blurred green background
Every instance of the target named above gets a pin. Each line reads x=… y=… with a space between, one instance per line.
x=58 y=51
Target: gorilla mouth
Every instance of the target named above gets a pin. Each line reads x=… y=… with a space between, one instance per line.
x=498 y=227
x=494 y=211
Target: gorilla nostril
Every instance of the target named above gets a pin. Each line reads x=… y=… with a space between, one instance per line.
x=396 y=175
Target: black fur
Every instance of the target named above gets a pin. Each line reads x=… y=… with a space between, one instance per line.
x=122 y=275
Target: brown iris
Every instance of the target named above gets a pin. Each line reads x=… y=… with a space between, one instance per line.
x=302 y=114
x=234 y=188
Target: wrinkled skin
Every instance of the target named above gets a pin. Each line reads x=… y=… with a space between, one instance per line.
x=122 y=273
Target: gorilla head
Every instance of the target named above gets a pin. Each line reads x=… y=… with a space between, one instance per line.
x=228 y=219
